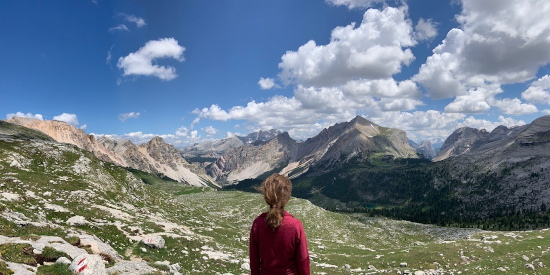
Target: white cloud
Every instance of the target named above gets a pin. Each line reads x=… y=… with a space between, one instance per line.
x=210 y=131
x=27 y=115
x=473 y=102
x=68 y=118
x=514 y=107
x=352 y=4
x=141 y=61
x=425 y=29
x=373 y=50
x=140 y=22
x=498 y=42
x=267 y=83
x=120 y=27
x=546 y=111
x=125 y=116
x=538 y=91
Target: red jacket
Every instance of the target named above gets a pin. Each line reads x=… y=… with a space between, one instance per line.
x=279 y=251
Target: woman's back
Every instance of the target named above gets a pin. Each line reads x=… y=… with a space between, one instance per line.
x=279 y=251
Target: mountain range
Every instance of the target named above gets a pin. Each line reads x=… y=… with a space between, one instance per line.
x=357 y=164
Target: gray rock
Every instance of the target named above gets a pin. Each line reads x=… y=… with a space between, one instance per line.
x=63 y=260
x=87 y=264
x=131 y=268
x=77 y=220
x=153 y=241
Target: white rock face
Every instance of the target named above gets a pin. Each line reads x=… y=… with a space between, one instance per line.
x=87 y=264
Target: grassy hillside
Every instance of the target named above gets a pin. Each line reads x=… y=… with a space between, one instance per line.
x=43 y=184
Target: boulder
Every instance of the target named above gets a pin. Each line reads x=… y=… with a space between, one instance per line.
x=87 y=264
x=77 y=220
x=153 y=241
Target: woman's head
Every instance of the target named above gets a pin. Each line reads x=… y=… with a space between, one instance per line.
x=276 y=190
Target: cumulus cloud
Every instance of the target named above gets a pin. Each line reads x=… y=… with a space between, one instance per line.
x=473 y=102
x=538 y=91
x=210 y=131
x=140 y=22
x=141 y=61
x=120 y=27
x=125 y=116
x=352 y=4
x=425 y=29
x=498 y=42
x=267 y=83
x=71 y=119
x=514 y=107
x=376 y=49
x=27 y=115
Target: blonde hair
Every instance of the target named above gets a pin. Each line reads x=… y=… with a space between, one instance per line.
x=276 y=190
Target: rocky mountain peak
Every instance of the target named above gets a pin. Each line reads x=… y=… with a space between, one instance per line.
x=461 y=141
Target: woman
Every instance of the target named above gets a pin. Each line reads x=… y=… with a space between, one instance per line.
x=278 y=242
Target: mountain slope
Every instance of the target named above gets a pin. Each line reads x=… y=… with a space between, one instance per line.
x=154 y=157
x=253 y=160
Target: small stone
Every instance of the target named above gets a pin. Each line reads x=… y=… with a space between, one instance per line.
x=143 y=249
x=502 y=269
x=372 y=268
x=63 y=260
x=525 y=258
x=419 y=272
x=77 y=220
x=530 y=266
x=540 y=264
x=347 y=266
x=245 y=266
x=403 y=265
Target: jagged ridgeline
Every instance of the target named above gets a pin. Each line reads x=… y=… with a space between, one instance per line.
x=60 y=204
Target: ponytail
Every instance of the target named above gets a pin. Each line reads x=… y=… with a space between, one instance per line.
x=276 y=190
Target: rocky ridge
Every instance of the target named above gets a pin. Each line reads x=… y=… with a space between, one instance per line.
x=358 y=138
x=156 y=156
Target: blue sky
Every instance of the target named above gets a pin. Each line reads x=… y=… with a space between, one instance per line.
x=200 y=70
